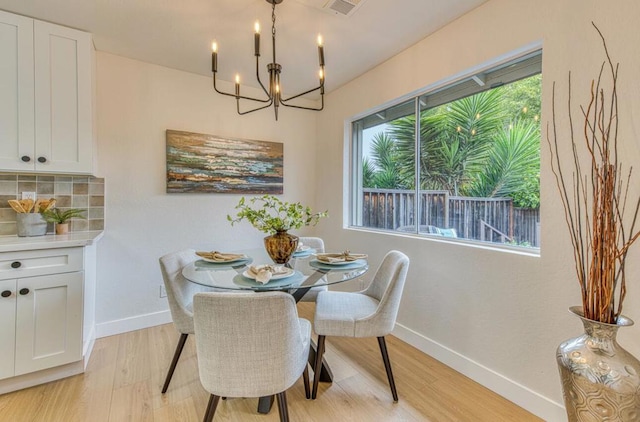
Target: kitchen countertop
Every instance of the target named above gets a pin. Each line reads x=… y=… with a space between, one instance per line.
x=49 y=241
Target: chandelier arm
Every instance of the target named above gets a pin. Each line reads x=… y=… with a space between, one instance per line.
x=252 y=110
x=258 y=77
x=304 y=93
x=238 y=96
x=305 y=108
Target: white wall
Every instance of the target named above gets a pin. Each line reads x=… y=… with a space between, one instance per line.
x=494 y=315
x=136 y=103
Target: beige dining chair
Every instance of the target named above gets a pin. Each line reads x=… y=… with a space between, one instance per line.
x=250 y=345
x=180 y=293
x=317 y=244
x=369 y=313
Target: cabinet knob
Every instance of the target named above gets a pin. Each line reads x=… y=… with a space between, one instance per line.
x=25 y=158
x=24 y=291
x=42 y=160
x=6 y=293
x=16 y=264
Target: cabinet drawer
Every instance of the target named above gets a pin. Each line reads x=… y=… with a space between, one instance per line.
x=40 y=262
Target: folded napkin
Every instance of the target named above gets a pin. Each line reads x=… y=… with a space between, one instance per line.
x=346 y=256
x=220 y=256
x=263 y=273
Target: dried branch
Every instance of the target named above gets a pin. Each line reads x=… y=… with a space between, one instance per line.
x=595 y=203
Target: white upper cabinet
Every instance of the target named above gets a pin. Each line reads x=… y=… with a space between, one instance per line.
x=46 y=118
x=17 y=124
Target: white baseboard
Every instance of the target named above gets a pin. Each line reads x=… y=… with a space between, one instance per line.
x=533 y=402
x=138 y=322
x=87 y=347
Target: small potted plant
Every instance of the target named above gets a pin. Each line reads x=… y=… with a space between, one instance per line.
x=61 y=218
x=272 y=216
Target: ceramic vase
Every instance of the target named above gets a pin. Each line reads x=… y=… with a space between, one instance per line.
x=600 y=379
x=30 y=224
x=281 y=246
x=62 y=228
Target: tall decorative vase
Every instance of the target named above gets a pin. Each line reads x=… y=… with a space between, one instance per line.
x=280 y=246
x=600 y=379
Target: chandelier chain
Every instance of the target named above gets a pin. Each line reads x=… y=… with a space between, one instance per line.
x=273 y=20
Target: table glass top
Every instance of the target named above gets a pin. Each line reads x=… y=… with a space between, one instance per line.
x=307 y=271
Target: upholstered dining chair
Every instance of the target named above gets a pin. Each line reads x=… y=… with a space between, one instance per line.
x=180 y=293
x=317 y=244
x=369 y=313
x=250 y=345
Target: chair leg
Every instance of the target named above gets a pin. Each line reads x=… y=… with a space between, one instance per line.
x=305 y=379
x=283 y=410
x=317 y=366
x=211 y=408
x=181 y=341
x=387 y=367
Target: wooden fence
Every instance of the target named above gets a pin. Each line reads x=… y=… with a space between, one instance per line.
x=488 y=219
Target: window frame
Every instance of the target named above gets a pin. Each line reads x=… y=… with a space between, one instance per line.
x=494 y=69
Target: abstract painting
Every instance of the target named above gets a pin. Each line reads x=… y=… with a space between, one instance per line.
x=200 y=163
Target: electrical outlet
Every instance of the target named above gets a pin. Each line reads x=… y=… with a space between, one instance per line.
x=29 y=195
x=163 y=291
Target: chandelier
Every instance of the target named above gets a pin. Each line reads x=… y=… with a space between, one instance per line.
x=273 y=95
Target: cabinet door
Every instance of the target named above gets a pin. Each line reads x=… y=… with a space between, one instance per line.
x=7 y=328
x=63 y=106
x=16 y=92
x=48 y=321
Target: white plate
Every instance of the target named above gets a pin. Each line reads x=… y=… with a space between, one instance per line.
x=306 y=252
x=359 y=263
x=337 y=263
x=242 y=258
x=289 y=272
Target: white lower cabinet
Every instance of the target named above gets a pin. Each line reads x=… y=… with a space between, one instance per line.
x=41 y=315
x=7 y=328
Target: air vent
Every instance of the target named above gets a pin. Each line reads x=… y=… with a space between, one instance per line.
x=343 y=7
x=335 y=7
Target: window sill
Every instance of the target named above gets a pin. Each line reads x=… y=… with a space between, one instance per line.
x=517 y=250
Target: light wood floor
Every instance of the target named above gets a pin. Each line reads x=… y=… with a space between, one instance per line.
x=126 y=372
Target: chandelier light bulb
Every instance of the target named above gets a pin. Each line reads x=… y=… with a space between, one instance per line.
x=256 y=27
x=237 y=79
x=321 y=74
x=319 y=40
x=214 y=46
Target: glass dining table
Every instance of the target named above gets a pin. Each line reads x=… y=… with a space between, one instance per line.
x=302 y=273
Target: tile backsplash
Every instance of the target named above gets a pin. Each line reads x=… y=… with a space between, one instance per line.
x=84 y=192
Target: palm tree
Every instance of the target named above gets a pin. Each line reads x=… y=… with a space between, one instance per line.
x=454 y=141
x=514 y=157
x=386 y=174
x=467 y=147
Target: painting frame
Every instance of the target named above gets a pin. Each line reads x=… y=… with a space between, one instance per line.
x=203 y=163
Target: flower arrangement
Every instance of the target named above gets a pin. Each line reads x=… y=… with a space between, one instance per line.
x=269 y=214
x=594 y=196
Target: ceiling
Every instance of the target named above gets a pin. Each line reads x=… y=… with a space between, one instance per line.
x=178 y=33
